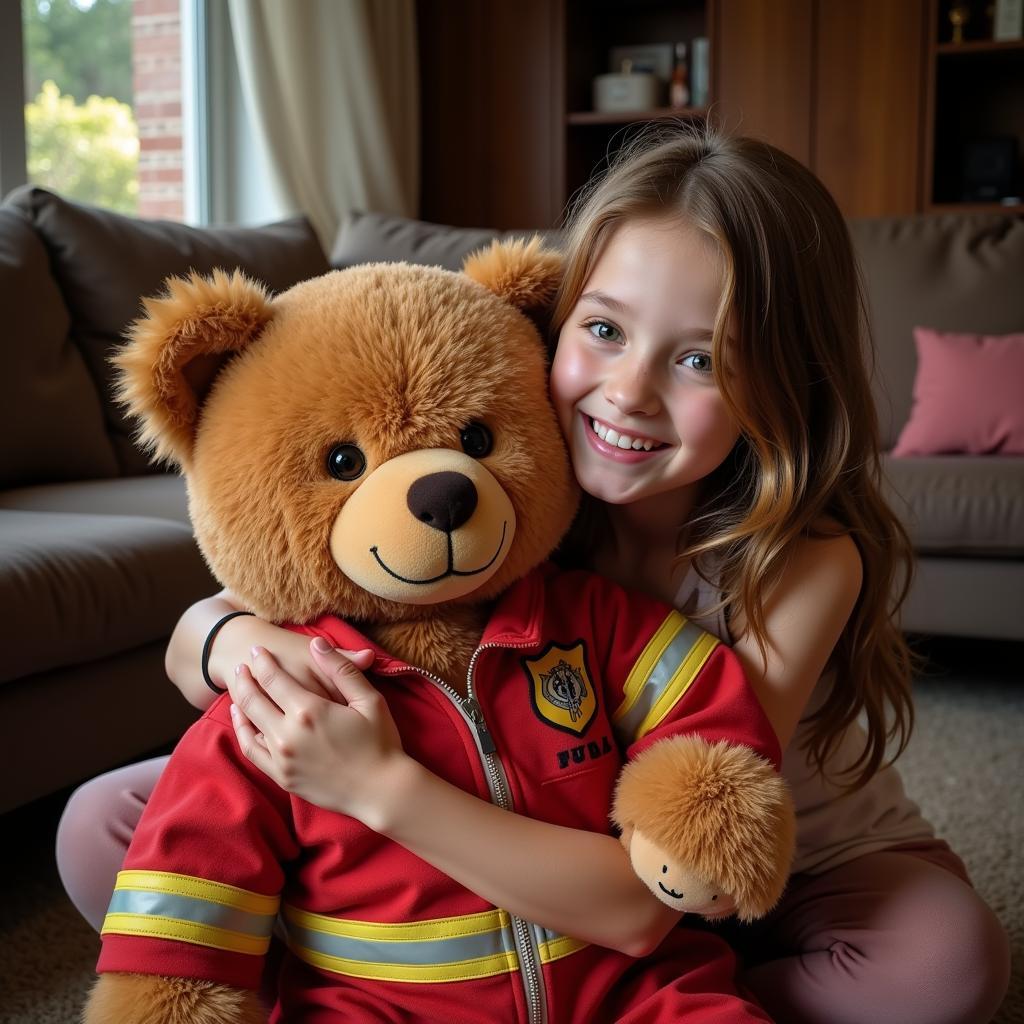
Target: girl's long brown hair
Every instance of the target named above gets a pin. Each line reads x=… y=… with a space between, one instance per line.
x=791 y=350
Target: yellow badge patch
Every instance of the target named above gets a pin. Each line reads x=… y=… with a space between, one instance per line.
x=563 y=694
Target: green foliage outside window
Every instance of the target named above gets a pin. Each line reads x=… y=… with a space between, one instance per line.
x=88 y=151
x=81 y=135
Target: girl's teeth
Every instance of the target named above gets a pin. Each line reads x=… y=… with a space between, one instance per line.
x=612 y=437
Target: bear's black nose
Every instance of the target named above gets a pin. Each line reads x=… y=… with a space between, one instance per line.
x=442 y=500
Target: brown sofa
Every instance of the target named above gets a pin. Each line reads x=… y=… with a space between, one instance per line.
x=965 y=513
x=97 y=559
x=96 y=556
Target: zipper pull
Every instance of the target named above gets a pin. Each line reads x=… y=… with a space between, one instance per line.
x=476 y=716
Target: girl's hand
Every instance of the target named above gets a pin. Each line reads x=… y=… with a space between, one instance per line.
x=237 y=639
x=344 y=757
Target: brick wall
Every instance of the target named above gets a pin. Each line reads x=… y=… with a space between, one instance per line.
x=156 y=78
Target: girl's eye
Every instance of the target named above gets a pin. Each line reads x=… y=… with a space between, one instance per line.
x=699 y=361
x=345 y=462
x=604 y=330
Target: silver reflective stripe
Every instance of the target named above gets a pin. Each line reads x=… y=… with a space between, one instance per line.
x=422 y=952
x=659 y=677
x=555 y=945
x=187 y=908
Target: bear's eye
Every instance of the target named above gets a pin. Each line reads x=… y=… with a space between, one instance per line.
x=476 y=440
x=345 y=462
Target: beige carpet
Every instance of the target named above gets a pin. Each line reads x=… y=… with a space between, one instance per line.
x=964 y=766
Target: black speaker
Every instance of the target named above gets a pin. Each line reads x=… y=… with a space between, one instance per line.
x=990 y=169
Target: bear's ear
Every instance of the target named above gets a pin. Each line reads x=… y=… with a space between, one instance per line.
x=175 y=351
x=521 y=272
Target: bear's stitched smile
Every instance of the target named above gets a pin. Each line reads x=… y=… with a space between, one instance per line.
x=451 y=570
x=671 y=892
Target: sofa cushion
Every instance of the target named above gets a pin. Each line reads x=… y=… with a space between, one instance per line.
x=75 y=588
x=968 y=395
x=960 y=504
x=105 y=263
x=379 y=237
x=51 y=419
x=160 y=495
x=952 y=272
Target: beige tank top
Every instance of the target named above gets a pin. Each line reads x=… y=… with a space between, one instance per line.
x=833 y=826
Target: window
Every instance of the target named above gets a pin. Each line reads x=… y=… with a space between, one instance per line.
x=103 y=113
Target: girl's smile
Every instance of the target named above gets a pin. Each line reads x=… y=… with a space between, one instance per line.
x=618 y=445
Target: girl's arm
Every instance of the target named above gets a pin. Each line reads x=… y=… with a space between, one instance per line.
x=805 y=613
x=231 y=646
x=575 y=882
x=348 y=757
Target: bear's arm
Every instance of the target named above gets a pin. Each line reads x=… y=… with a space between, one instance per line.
x=701 y=786
x=198 y=894
x=664 y=676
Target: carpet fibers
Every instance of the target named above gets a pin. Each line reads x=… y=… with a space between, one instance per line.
x=964 y=767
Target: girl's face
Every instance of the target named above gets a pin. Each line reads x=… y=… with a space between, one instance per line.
x=631 y=379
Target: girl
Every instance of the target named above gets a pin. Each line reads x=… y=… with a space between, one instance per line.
x=709 y=379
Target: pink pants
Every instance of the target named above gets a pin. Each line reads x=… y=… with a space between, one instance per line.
x=896 y=936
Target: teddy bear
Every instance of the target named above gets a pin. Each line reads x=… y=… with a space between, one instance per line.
x=371 y=457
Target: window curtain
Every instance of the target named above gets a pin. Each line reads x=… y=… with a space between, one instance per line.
x=331 y=89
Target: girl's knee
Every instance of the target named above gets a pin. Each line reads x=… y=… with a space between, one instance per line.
x=893 y=938
x=981 y=959
x=104 y=809
x=957 y=974
x=94 y=832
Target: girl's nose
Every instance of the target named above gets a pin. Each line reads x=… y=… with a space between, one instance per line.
x=632 y=391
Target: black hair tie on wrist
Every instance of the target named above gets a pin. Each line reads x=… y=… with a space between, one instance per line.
x=208 y=646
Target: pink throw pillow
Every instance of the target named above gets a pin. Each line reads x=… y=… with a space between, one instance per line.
x=968 y=395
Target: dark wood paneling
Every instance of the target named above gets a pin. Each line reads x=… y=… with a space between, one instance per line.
x=528 y=114
x=492 y=102
x=453 y=129
x=763 y=71
x=868 y=137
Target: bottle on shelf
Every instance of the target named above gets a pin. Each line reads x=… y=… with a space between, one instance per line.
x=679 y=84
x=699 y=71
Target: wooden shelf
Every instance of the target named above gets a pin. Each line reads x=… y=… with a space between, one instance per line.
x=975 y=93
x=578 y=117
x=1007 y=208
x=982 y=46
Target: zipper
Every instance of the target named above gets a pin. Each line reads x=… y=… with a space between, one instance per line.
x=527 y=948
x=526 y=943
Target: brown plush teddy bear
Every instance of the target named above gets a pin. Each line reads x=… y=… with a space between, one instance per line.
x=372 y=455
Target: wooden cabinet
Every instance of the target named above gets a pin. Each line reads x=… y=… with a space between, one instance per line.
x=508 y=129
x=764 y=71
x=867 y=137
x=491 y=112
x=867 y=94
x=974 y=118
x=837 y=85
x=592 y=29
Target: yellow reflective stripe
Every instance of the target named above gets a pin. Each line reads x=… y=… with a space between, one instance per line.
x=198 y=888
x=680 y=682
x=153 y=927
x=464 y=970
x=555 y=949
x=644 y=665
x=417 y=931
